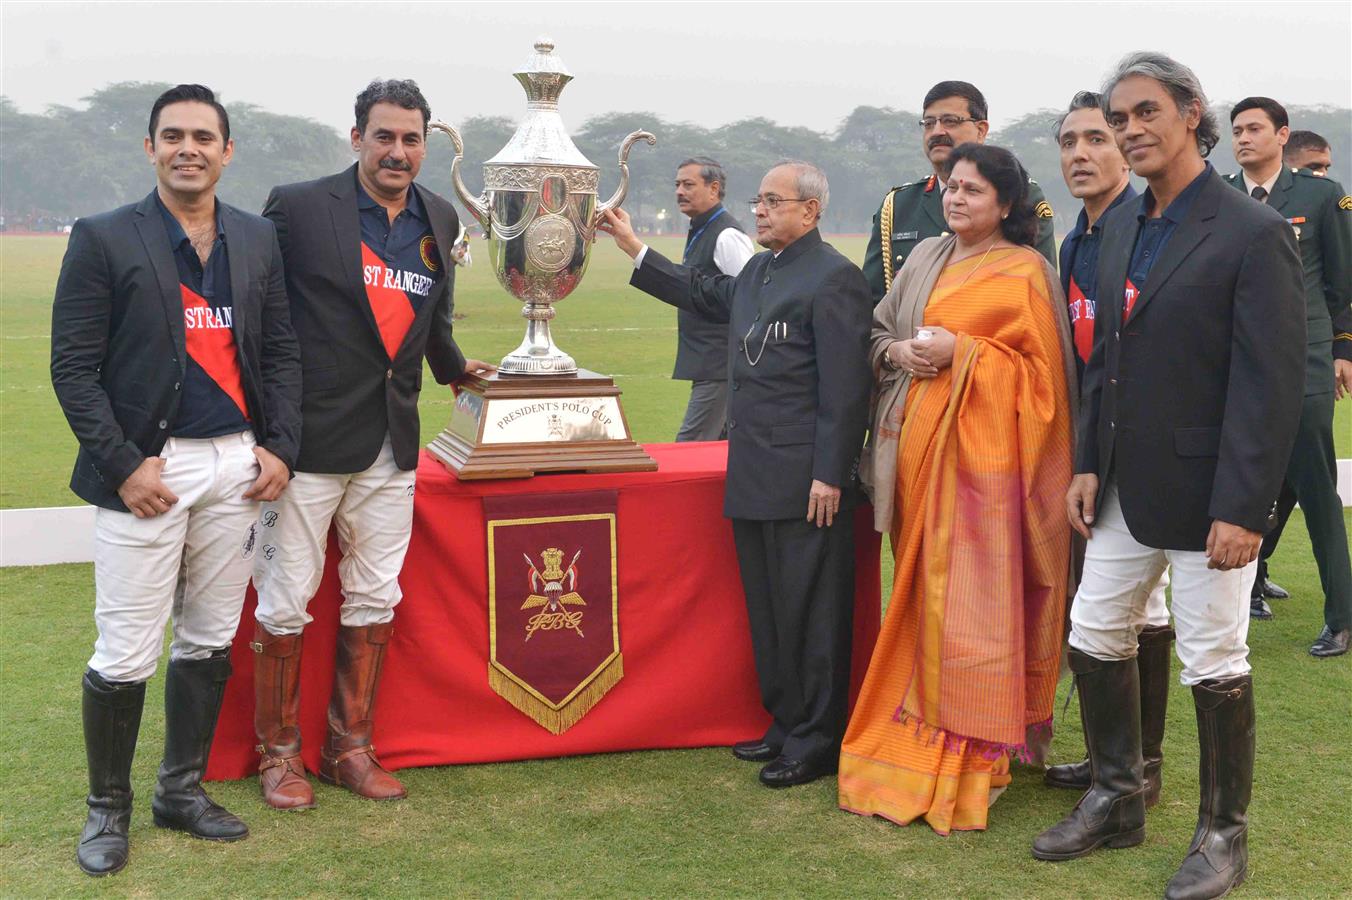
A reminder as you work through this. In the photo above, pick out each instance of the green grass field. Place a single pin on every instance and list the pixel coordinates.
(658, 823)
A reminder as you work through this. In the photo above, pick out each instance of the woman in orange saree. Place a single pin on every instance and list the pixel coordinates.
(975, 414)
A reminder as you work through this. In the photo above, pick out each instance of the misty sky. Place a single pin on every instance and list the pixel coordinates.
(796, 63)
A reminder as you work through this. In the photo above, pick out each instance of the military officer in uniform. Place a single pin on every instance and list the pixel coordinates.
(1320, 214)
(1308, 150)
(955, 113)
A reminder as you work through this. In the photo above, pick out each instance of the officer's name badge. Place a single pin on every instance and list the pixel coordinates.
(905, 235)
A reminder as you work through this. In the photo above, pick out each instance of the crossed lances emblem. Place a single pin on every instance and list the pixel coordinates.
(547, 594)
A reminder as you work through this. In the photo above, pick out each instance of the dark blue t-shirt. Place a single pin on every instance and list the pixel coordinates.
(213, 401)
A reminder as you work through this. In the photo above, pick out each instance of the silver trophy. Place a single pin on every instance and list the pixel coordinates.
(539, 210)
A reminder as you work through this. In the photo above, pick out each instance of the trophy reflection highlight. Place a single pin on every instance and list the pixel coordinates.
(539, 211)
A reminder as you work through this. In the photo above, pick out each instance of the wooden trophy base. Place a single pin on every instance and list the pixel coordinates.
(517, 426)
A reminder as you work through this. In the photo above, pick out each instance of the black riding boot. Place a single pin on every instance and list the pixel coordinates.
(193, 691)
(1112, 812)
(1153, 658)
(1218, 859)
(112, 718)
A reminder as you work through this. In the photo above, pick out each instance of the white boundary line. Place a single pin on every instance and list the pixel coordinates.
(65, 534)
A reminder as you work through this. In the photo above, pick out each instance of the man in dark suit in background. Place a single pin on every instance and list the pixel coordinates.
(174, 360)
(1191, 402)
(1311, 205)
(370, 280)
(716, 245)
(799, 318)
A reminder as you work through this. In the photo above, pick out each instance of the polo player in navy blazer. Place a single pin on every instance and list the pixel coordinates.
(174, 360)
(1190, 405)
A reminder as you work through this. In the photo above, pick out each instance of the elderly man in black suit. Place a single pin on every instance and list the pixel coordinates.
(1191, 400)
(799, 317)
(174, 360)
(370, 279)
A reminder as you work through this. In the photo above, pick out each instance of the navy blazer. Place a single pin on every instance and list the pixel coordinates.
(798, 375)
(1191, 404)
(119, 348)
(354, 392)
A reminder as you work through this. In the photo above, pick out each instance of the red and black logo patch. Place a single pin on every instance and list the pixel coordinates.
(431, 258)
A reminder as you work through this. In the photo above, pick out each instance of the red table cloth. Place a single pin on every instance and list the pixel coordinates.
(689, 678)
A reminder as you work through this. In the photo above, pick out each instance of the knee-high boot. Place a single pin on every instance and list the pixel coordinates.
(1112, 812)
(348, 758)
(193, 691)
(112, 719)
(1153, 661)
(1218, 859)
(281, 773)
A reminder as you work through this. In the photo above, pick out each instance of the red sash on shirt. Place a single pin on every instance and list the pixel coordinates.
(1081, 320)
(1130, 294)
(392, 308)
(211, 344)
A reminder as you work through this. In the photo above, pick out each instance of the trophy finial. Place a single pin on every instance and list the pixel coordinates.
(544, 44)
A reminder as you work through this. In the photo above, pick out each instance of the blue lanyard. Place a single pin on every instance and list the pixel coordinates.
(690, 241)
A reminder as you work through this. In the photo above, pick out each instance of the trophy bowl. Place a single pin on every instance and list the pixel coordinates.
(539, 210)
(539, 412)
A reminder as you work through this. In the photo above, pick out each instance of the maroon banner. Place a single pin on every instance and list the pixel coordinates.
(553, 603)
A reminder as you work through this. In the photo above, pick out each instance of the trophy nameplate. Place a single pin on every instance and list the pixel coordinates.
(539, 209)
(515, 426)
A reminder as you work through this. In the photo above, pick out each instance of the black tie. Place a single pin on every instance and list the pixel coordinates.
(1259, 193)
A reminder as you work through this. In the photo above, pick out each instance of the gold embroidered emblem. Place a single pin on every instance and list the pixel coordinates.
(1345, 203)
(1043, 210)
(547, 591)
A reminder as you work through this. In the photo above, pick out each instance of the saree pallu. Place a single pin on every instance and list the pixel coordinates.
(967, 661)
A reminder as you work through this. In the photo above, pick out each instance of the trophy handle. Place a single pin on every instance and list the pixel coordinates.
(477, 206)
(618, 197)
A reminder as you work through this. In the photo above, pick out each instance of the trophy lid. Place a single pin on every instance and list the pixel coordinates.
(541, 136)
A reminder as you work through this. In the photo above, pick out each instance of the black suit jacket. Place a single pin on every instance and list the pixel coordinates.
(1191, 405)
(800, 411)
(119, 348)
(354, 392)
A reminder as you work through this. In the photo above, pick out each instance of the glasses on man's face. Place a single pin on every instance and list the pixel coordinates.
(950, 122)
(772, 202)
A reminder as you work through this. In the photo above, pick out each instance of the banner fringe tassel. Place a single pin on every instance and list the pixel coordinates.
(557, 721)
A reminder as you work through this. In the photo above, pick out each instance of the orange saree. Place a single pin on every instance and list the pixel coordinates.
(968, 657)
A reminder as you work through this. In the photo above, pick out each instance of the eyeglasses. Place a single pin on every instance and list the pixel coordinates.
(772, 202)
(950, 121)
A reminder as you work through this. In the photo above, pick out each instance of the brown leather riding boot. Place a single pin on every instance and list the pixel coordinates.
(276, 720)
(348, 759)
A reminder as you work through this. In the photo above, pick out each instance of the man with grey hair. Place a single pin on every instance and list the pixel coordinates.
(715, 245)
(1189, 408)
(800, 317)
